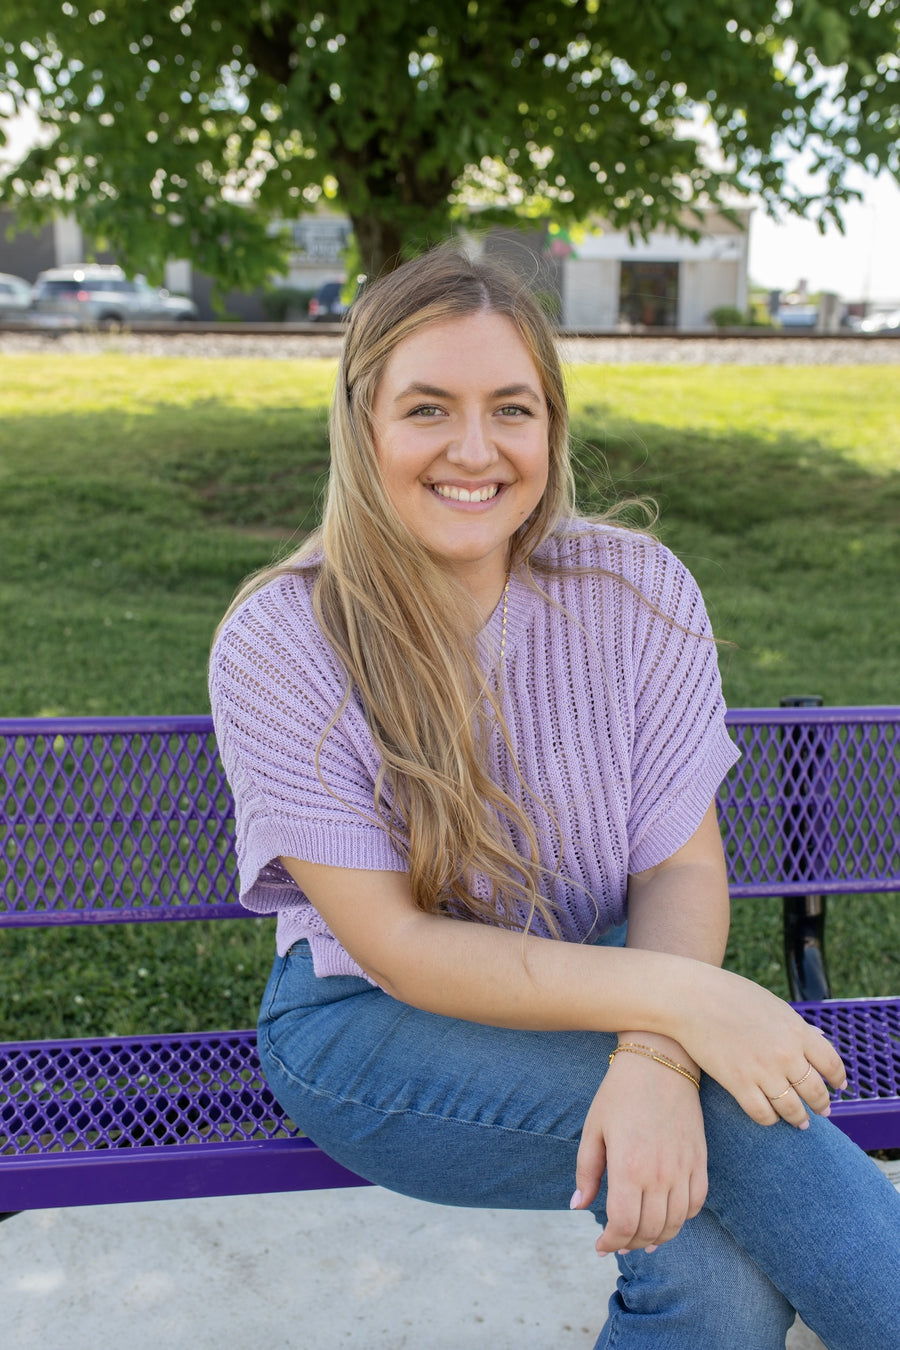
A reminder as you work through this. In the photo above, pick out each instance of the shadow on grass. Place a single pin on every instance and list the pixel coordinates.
(236, 466)
(160, 516)
(241, 467)
(125, 539)
(275, 479)
(729, 484)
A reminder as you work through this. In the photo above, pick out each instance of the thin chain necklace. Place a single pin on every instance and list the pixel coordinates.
(503, 625)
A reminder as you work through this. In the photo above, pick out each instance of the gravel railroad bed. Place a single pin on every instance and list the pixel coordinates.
(611, 349)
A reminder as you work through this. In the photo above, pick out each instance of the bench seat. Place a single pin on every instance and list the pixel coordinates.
(94, 1122)
(100, 1121)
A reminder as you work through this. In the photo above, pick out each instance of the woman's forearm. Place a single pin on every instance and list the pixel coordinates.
(485, 974)
(755, 1045)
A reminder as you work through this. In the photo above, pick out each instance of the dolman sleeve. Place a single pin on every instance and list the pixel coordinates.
(681, 748)
(302, 787)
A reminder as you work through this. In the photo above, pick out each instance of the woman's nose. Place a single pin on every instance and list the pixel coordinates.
(473, 447)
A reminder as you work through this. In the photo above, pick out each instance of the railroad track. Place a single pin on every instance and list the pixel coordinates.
(293, 341)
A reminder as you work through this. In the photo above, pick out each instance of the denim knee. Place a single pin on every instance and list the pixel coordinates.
(700, 1290)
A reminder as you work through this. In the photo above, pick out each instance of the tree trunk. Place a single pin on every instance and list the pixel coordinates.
(379, 243)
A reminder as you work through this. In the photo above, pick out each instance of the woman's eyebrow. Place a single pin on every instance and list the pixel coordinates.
(428, 390)
(417, 389)
(517, 391)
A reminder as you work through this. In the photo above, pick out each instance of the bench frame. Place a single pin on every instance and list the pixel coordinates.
(129, 819)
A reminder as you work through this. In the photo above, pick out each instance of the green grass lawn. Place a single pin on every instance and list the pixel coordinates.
(135, 493)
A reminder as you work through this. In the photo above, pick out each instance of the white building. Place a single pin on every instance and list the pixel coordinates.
(666, 281)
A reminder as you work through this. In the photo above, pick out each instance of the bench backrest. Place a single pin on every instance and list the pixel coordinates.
(124, 819)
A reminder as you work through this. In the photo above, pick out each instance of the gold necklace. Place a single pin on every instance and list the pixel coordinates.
(503, 624)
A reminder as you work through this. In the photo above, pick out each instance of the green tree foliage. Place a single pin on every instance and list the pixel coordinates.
(164, 120)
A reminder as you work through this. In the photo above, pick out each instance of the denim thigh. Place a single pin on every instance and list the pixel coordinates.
(434, 1107)
(465, 1114)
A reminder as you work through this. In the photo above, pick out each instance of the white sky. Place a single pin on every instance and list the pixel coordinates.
(861, 264)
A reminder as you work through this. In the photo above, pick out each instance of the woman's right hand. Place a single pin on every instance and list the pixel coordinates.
(758, 1048)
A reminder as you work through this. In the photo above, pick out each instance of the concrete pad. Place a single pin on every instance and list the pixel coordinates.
(314, 1271)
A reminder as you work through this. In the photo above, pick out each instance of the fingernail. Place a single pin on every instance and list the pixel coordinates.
(826, 1111)
(650, 1250)
(843, 1086)
(804, 1125)
(575, 1202)
(602, 1252)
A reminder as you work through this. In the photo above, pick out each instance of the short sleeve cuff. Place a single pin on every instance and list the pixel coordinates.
(270, 838)
(664, 833)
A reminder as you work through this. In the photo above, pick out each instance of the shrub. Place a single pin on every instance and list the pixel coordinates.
(286, 304)
(728, 316)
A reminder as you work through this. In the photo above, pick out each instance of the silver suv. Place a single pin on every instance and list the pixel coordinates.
(95, 296)
(15, 297)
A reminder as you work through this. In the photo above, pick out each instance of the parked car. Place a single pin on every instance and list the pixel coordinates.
(888, 321)
(89, 296)
(798, 316)
(15, 297)
(328, 304)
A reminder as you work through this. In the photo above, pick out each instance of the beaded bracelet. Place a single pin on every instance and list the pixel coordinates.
(634, 1048)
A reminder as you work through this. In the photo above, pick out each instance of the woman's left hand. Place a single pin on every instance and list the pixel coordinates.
(645, 1130)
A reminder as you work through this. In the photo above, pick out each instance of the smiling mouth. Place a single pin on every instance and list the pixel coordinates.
(457, 494)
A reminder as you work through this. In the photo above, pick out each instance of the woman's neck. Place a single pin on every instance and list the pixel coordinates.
(486, 588)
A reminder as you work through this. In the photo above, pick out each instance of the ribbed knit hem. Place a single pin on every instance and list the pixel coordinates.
(664, 834)
(271, 838)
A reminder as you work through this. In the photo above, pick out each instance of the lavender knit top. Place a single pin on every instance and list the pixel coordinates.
(615, 715)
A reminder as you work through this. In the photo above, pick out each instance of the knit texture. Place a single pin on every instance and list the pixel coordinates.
(612, 701)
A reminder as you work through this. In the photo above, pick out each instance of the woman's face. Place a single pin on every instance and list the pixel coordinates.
(461, 434)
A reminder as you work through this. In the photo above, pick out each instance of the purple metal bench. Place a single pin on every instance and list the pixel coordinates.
(124, 820)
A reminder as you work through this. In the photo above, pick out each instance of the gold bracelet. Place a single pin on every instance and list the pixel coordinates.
(635, 1048)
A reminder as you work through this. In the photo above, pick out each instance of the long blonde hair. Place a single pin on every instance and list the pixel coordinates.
(402, 624)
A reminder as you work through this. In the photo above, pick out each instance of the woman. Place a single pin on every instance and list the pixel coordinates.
(469, 736)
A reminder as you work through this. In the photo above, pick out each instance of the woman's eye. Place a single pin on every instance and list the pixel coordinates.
(426, 410)
(514, 410)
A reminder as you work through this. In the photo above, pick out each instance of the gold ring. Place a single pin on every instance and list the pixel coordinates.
(782, 1094)
(801, 1080)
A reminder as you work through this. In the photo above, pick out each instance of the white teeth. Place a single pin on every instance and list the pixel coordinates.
(456, 494)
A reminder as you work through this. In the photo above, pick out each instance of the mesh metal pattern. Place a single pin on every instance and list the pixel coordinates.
(139, 1093)
(812, 806)
(866, 1034)
(117, 819)
(114, 820)
(135, 1092)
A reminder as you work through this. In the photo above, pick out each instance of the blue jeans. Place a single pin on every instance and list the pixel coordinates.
(465, 1114)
